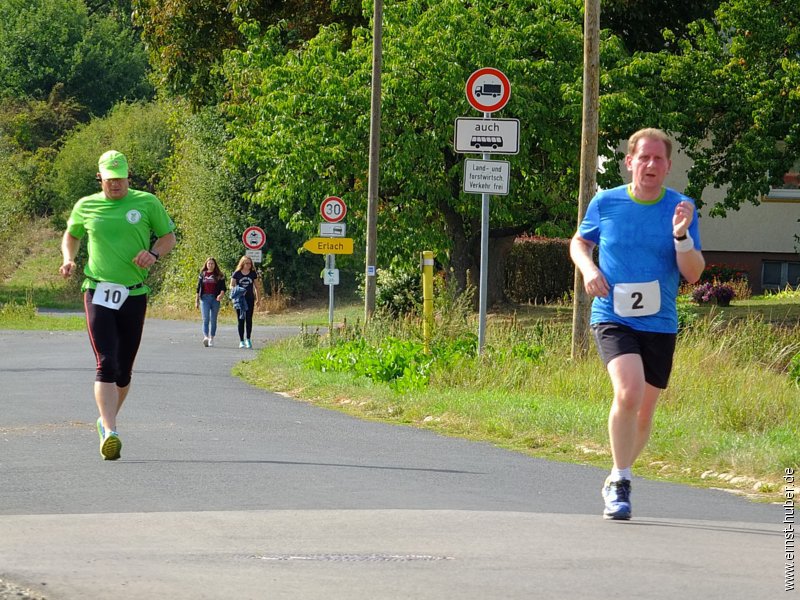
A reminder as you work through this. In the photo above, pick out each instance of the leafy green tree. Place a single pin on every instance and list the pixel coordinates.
(30, 131)
(300, 119)
(732, 96)
(641, 23)
(186, 39)
(46, 43)
(140, 131)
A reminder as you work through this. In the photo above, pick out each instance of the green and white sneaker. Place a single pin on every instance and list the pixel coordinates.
(101, 431)
(111, 446)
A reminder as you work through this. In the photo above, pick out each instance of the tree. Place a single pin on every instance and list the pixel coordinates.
(140, 131)
(186, 39)
(300, 120)
(732, 96)
(640, 23)
(47, 43)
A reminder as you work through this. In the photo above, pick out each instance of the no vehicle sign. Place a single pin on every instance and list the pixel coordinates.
(488, 90)
(333, 209)
(254, 238)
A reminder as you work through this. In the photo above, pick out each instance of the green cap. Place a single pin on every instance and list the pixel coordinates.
(113, 165)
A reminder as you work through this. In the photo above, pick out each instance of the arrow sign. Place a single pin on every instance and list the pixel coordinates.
(331, 277)
(320, 245)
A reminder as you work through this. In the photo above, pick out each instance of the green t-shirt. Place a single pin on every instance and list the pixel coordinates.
(118, 230)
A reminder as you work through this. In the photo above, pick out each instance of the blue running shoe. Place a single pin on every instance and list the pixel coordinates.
(101, 431)
(617, 496)
(111, 446)
(248, 343)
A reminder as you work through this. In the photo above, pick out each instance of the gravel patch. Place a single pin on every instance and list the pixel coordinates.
(10, 591)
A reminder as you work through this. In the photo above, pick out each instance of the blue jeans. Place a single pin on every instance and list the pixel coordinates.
(209, 308)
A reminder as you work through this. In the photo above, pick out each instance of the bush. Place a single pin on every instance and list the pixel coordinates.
(399, 292)
(539, 270)
(725, 273)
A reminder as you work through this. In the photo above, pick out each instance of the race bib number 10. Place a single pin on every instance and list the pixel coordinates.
(637, 299)
(110, 295)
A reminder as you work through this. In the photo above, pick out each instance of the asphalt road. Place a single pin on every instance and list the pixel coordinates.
(228, 491)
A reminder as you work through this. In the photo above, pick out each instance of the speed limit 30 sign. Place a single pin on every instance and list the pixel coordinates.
(333, 209)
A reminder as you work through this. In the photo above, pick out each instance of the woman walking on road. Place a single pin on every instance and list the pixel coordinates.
(246, 277)
(210, 291)
(118, 223)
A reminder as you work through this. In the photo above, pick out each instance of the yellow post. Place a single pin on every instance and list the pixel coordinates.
(427, 298)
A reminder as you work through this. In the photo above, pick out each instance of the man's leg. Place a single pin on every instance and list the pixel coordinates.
(644, 421)
(627, 379)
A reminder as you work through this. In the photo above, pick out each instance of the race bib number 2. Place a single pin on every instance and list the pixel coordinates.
(110, 295)
(637, 299)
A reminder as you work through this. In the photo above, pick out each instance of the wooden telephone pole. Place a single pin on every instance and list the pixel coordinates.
(588, 184)
(374, 162)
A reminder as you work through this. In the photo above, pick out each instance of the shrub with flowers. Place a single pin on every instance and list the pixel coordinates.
(720, 272)
(722, 294)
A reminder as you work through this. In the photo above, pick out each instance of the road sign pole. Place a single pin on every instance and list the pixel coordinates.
(484, 261)
(330, 264)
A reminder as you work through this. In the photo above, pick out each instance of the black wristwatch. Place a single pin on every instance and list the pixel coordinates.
(154, 253)
(680, 238)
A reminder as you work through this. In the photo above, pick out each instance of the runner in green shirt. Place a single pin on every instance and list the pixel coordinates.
(118, 223)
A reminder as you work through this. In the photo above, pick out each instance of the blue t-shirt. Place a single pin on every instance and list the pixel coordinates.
(637, 258)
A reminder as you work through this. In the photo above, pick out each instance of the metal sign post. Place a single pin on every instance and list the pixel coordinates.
(488, 90)
(482, 295)
(331, 242)
(330, 266)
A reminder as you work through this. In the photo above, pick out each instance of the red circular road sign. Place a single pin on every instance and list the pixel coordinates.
(254, 238)
(488, 90)
(333, 209)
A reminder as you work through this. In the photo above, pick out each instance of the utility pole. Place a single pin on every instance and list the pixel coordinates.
(374, 162)
(588, 184)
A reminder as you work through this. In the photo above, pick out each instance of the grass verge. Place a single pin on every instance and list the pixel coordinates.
(728, 420)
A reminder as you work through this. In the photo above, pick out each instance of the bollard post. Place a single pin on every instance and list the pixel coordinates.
(427, 298)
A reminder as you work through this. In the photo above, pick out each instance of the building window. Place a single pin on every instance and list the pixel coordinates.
(790, 190)
(777, 275)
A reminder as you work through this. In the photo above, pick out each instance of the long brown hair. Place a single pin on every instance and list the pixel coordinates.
(218, 275)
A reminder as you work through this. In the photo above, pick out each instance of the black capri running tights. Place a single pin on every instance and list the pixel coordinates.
(115, 336)
(245, 325)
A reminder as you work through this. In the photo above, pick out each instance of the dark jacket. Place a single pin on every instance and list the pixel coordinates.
(221, 285)
(239, 299)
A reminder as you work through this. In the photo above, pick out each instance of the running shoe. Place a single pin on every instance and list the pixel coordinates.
(210, 342)
(249, 343)
(111, 446)
(617, 496)
(242, 345)
(205, 342)
(101, 431)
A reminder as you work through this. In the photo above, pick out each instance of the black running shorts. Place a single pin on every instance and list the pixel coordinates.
(656, 349)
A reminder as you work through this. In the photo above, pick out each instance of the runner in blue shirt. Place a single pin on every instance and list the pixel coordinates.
(648, 238)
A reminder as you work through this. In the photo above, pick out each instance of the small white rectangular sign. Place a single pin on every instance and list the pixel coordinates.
(332, 229)
(495, 136)
(331, 276)
(254, 255)
(486, 177)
